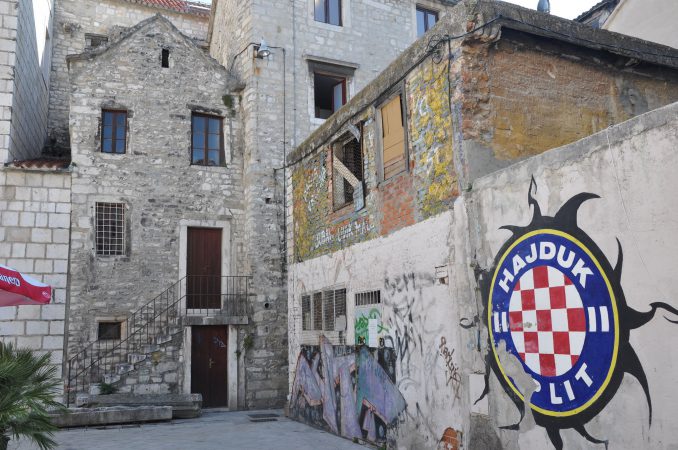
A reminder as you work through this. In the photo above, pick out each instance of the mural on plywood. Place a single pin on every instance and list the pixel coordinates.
(349, 390)
(556, 305)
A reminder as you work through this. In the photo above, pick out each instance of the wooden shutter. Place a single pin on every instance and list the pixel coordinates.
(393, 138)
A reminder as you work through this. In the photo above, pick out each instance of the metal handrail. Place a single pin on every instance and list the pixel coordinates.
(201, 295)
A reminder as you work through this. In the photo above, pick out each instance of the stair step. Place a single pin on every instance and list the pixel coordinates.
(150, 348)
(123, 368)
(110, 378)
(163, 338)
(134, 358)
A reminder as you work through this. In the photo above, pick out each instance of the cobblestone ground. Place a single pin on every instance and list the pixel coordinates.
(214, 430)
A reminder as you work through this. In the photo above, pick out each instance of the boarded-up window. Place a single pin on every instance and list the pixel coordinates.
(393, 138)
(347, 170)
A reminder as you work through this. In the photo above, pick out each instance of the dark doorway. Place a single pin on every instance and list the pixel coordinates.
(203, 268)
(209, 365)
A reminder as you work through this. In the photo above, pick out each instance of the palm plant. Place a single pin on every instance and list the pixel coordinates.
(27, 389)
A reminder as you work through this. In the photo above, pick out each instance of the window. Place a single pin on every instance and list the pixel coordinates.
(328, 11)
(368, 298)
(207, 148)
(164, 58)
(110, 229)
(393, 138)
(109, 331)
(425, 20)
(347, 170)
(93, 41)
(324, 311)
(329, 93)
(114, 132)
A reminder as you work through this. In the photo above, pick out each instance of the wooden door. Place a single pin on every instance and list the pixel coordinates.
(209, 364)
(203, 268)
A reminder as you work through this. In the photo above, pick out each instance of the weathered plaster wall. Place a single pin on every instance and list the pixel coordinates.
(634, 18)
(630, 166)
(34, 233)
(557, 86)
(162, 191)
(75, 18)
(427, 187)
(421, 338)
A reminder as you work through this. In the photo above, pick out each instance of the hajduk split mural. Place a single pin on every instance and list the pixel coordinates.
(556, 304)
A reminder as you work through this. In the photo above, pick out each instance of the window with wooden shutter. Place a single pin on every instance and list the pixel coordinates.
(393, 138)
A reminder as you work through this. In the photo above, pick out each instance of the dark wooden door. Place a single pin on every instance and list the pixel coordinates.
(203, 268)
(209, 365)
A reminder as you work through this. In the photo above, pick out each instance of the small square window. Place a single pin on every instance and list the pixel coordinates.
(113, 131)
(109, 331)
(110, 229)
(426, 18)
(328, 11)
(93, 41)
(324, 311)
(347, 170)
(207, 140)
(329, 94)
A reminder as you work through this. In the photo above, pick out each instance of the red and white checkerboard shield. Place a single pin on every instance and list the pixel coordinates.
(547, 321)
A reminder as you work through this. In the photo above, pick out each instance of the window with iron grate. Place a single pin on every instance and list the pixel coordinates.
(306, 317)
(110, 229)
(318, 311)
(368, 298)
(347, 170)
(324, 311)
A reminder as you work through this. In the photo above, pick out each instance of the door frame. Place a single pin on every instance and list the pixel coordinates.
(226, 254)
(233, 360)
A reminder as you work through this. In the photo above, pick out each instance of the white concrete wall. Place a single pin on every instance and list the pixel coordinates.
(632, 168)
(653, 21)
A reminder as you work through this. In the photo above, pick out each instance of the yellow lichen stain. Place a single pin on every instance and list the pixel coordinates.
(443, 186)
(533, 129)
(430, 128)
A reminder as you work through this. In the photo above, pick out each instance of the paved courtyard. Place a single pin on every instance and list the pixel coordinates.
(214, 430)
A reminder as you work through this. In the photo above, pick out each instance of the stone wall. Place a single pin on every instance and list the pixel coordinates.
(162, 192)
(25, 46)
(34, 233)
(74, 19)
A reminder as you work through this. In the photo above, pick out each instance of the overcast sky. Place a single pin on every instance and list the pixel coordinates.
(563, 8)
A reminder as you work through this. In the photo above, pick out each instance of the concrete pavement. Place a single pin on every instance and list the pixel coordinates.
(214, 430)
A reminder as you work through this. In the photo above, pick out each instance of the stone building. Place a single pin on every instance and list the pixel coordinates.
(120, 107)
(395, 210)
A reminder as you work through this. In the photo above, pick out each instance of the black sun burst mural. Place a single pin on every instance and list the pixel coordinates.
(557, 304)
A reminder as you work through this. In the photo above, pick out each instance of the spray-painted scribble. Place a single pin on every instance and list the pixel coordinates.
(349, 390)
(451, 368)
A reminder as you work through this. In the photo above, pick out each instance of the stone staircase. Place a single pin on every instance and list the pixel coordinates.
(148, 358)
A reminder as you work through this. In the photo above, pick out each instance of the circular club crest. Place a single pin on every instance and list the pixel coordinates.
(555, 309)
